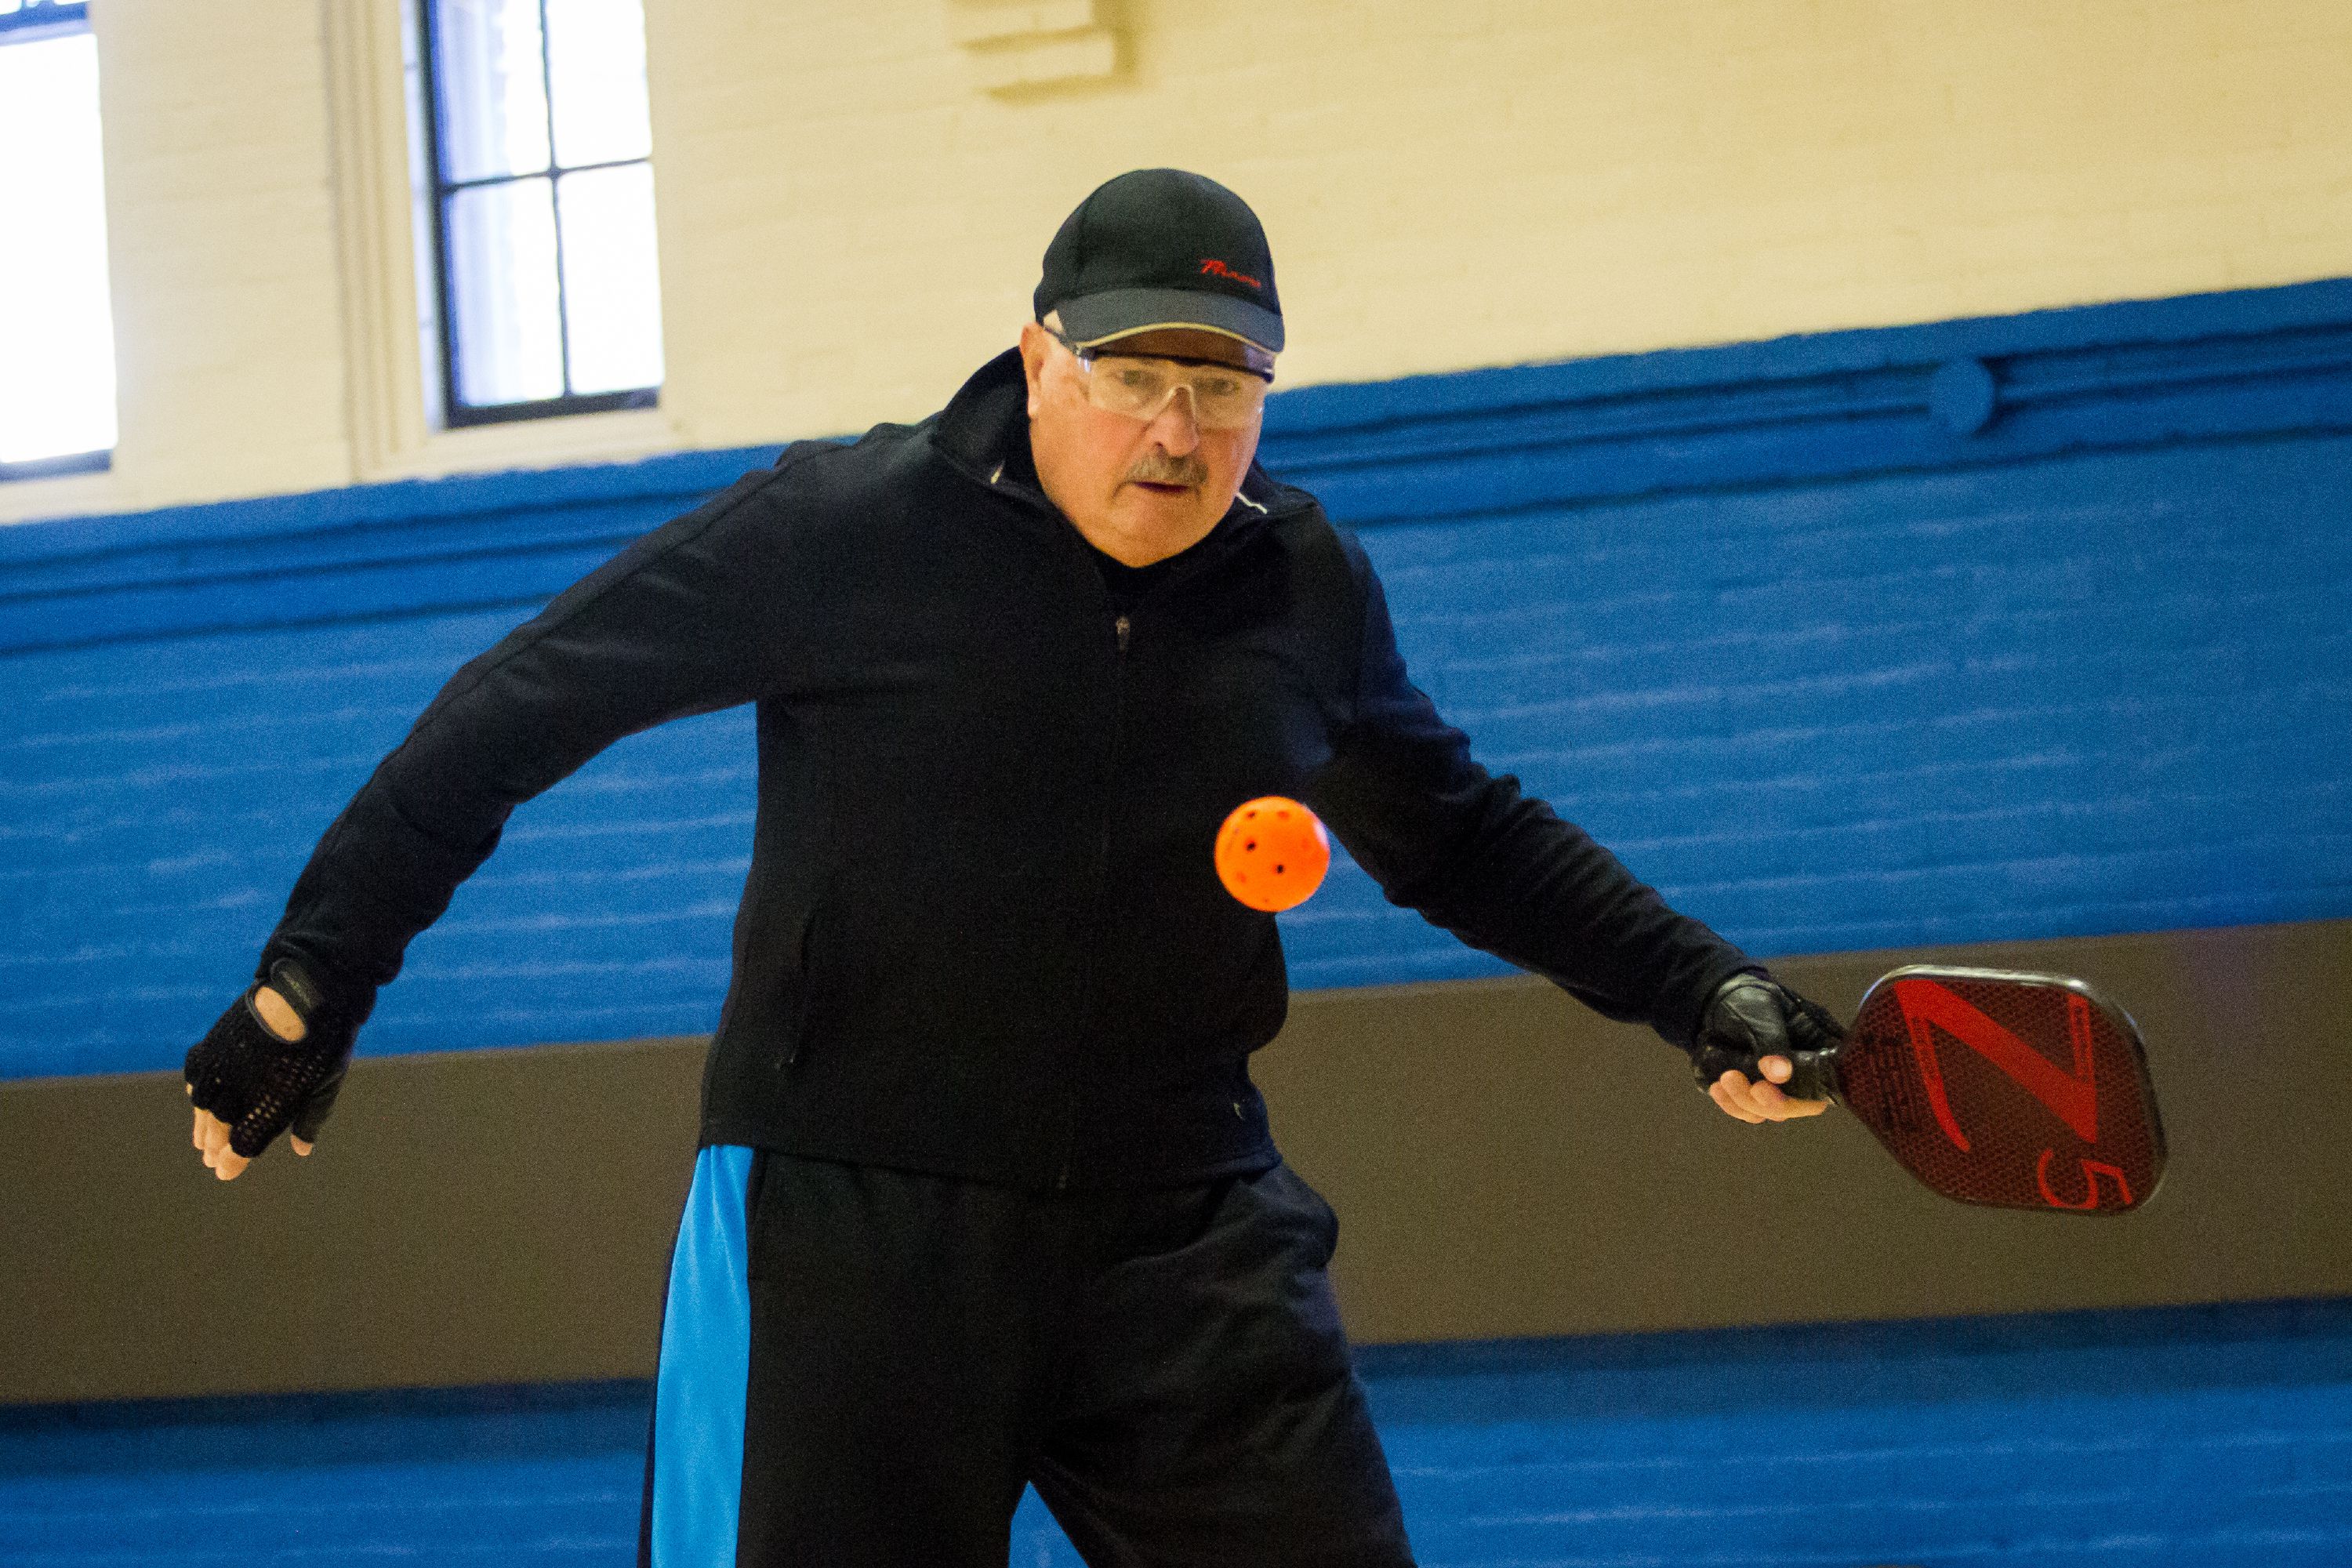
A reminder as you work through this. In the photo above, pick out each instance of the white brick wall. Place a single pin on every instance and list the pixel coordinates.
(220, 212)
(848, 224)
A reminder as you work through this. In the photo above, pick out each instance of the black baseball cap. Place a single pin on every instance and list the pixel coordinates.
(1161, 248)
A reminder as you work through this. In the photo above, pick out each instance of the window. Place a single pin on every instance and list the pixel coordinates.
(56, 331)
(542, 206)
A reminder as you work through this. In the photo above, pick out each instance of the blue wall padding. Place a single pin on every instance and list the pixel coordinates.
(2205, 1437)
(2023, 628)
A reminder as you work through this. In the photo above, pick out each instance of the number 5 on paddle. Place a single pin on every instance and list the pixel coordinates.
(2014, 1091)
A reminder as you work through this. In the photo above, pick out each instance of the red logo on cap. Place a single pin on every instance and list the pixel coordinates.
(1217, 268)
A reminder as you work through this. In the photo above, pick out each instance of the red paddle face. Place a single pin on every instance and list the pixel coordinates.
(2015, 1091)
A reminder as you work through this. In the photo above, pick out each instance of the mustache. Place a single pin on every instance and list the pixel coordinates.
(1162, 469)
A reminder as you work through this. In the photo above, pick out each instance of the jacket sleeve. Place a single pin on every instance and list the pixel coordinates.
(1497, 868)
(688, 619)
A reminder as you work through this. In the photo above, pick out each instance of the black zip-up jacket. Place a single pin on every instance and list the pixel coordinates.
(982, 934)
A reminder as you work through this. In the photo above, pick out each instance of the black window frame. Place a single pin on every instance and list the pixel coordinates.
(455, 413)
(36, 20)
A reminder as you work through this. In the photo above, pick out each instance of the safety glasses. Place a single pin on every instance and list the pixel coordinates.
(1225, 397)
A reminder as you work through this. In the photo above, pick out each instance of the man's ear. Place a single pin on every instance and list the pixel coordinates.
(1034, 345)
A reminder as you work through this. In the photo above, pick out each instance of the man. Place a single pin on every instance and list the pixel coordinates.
(985, 1195)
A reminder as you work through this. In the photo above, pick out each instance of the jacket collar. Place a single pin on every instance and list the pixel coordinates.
(983, 432)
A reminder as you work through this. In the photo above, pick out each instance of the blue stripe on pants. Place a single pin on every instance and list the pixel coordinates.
(705, 1347)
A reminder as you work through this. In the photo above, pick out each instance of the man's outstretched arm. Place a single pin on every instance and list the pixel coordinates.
(688, 619)
(1500, 870)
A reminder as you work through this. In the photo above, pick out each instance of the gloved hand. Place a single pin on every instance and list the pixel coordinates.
(272, 1064)
(1753, 1029)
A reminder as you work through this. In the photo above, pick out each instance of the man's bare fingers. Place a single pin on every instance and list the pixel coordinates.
(1730, 1092)
(219, 1158)
(1775, 1106)
(1777, 1103)
(299, 1146)
(1738, 1093)
(223, 1160)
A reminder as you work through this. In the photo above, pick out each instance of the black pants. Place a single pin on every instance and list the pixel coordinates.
(867, 1368)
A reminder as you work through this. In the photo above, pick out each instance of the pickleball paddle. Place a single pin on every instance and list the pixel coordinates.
(2013, 1091)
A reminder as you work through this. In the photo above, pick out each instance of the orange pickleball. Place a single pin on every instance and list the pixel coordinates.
(1272, 853)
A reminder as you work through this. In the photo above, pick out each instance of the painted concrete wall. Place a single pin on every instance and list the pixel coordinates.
(848, 223)
(1839, 660)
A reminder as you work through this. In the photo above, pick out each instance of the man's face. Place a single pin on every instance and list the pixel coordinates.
(1139, 490)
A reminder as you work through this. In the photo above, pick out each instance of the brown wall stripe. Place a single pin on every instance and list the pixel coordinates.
(1505, 1163)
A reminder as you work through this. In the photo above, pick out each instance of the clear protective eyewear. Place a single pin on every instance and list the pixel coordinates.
(1224, 397)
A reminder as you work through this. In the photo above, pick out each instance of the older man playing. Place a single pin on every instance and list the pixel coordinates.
(985, 1195)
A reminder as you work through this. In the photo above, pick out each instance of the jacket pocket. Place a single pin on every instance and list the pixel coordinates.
(792, 1005)
(767, 1000)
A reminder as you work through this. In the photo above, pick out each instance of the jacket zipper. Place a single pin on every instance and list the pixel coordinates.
(1122, 630)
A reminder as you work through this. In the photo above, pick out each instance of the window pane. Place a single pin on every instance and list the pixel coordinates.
(596, 59)
(56, 337)
(611, 286)
(506, 324)
(487, 68)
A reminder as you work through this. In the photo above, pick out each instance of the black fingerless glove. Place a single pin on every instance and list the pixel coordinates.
(261, 1085)
(1751, 1016)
